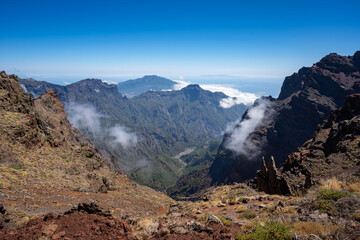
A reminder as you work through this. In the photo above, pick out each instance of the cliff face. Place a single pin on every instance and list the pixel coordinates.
(306, 99)
(334, 150)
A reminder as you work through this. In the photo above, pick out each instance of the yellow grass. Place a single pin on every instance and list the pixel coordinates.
(306, 228)
(332, 183)
(353, 187)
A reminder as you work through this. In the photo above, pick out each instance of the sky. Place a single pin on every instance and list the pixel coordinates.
(244, 43)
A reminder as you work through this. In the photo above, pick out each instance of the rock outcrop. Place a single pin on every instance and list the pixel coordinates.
(269, 179)
(306, 99)
(334, 150)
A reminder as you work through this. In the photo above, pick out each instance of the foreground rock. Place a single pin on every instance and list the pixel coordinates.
(81, 224)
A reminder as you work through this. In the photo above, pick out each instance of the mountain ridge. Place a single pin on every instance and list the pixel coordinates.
(306, 99)
(165, 122)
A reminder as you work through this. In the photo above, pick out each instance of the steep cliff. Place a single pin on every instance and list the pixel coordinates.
(306, 99)
(334, 150)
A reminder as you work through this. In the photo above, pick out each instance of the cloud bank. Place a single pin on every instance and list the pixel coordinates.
(238, 141)
(234, 96)
(85, 116)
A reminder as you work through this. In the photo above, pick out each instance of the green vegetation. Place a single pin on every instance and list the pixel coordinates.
(331, 194)
(159, 173)
(196, 164)
(201, 157)
(325, 199)
(63, 156)
(325, 206)
(18, 167)
(225, 221)
(248, 214)
(268, 231)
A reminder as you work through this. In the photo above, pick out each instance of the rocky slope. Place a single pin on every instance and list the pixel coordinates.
(166, 123)
(334, 150)
(46, 165)
(306, 99)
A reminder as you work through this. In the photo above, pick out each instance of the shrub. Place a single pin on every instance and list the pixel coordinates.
(269, 231)
(324, 206)
(63, 156)
(289, 210)
(330, 194)
(225, 221)
(18, 167)
(248, 215)
(357, 216)
(241, 209)
(232, 201)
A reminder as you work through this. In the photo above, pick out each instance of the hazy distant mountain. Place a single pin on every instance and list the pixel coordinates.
(147, 83)
(162, 123)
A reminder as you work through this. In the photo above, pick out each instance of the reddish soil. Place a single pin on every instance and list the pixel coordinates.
(70, 226)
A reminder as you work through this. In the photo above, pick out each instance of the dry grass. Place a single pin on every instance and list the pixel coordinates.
(336, 184)
(353, 187)
(332, 183)
(241, 209)
(289, 210)
(306, 228)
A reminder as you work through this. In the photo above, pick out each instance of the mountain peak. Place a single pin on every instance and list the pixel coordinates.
(147, 83)
(193, 86)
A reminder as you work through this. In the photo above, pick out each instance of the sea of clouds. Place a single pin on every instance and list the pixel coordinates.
(234, 96)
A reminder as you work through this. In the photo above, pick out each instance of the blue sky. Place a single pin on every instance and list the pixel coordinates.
(230, 41)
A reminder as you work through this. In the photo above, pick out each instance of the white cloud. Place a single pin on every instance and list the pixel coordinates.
(122, 136)
(180, 84)
(109, 82)
(27, 92)
(234, 96)
(85, 116)
(238, 140)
